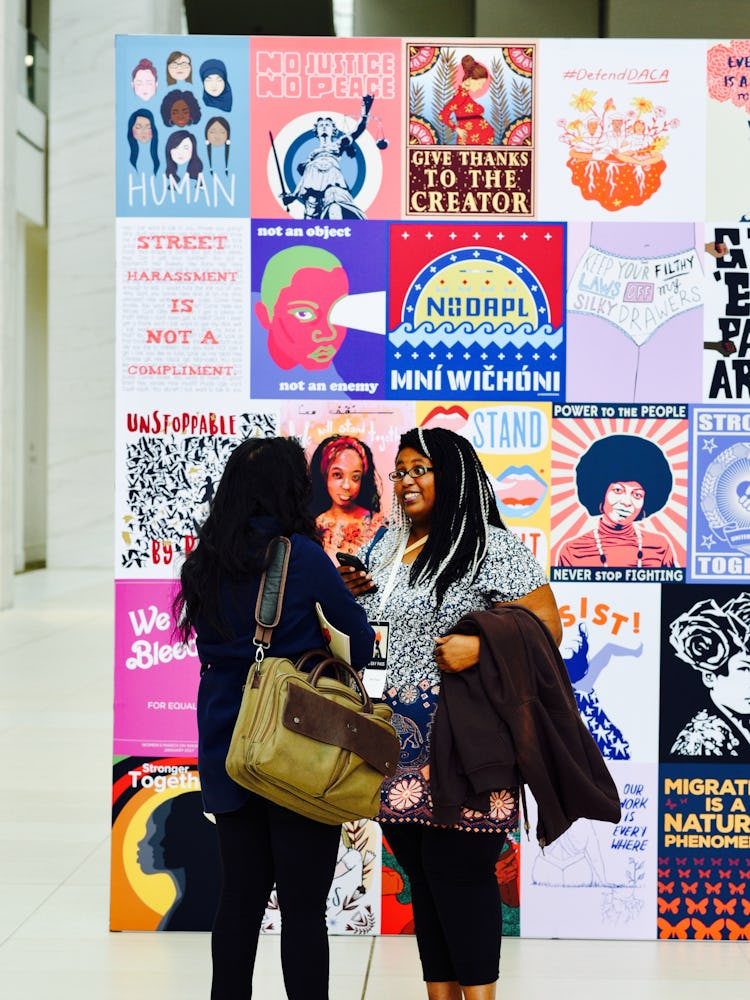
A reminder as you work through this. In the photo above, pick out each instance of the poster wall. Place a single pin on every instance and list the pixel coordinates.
(530, 242)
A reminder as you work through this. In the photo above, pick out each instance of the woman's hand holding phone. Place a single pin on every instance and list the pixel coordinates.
(354, 574)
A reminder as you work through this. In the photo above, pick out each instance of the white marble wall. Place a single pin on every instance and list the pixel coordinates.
(8, 285)
(81, 320)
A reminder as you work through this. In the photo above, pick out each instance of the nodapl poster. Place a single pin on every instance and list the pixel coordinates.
(704, 853)
(182, 320)
(325, 121)
(513, 442)
(635, 311)
(476, 311)
(470, 148)
(727, 326)
(318, 310)
(170, 463)
(622, 133)
(596, 880)
(182, 126)
(719, 494)
(728, 109)
(619, 512)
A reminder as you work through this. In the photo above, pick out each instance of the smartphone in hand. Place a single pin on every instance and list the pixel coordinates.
(345, 559)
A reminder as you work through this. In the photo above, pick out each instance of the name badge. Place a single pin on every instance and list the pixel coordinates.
(374, 679)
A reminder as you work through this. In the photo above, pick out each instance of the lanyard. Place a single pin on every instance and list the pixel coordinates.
(402, 550)
(388, 589)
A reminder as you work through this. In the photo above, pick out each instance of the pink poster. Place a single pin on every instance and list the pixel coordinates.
(325, 116)
(156, 677)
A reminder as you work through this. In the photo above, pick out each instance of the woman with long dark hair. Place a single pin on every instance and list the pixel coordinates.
(181, 150)
(346, 497)
(447, 554)
(264, 492)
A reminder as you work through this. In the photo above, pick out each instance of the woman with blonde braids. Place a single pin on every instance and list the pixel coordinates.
(447, 555)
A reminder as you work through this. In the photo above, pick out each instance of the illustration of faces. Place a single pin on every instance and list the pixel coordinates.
(180, 108)
(179, 67)
(216, 90)
(730, 690)
(182, 152)
(299, 288)
(143, 80)
(217, 132)
(180, 149)
(623, 502)
(142, 130)
(214, 84)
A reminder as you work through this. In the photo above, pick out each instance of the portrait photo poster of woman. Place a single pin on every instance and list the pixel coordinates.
(366, 429)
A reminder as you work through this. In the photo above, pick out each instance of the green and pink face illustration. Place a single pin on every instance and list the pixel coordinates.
(299, 328)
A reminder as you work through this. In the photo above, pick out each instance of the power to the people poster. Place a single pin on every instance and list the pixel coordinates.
(534, 243)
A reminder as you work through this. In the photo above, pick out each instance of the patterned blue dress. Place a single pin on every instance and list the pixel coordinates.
(509, 571)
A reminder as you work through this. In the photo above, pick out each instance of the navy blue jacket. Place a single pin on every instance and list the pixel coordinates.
(225, 664)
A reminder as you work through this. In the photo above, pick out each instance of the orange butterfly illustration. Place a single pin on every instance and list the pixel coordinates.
(716, 887)
(737, 931)
(727, 907)
(704, 872)
(690, 887)
(703, 931)
(744, 873)
(746, 906)
(694, 906)
(667, 930)
(684, 872)
(667, 887)
(725, 873)
(672, 906)
(737, 890)
(664, 872)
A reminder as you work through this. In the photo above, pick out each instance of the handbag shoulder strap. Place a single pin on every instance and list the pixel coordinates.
(271, 590)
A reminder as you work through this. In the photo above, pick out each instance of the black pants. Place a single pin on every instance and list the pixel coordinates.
(456, 899)
(260, 844)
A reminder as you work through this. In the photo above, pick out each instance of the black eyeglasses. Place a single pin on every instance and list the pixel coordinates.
(416, 472)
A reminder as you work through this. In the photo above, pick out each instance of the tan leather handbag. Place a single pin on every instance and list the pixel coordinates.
(312, 743)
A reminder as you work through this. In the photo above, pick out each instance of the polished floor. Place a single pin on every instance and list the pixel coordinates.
(55, 743)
